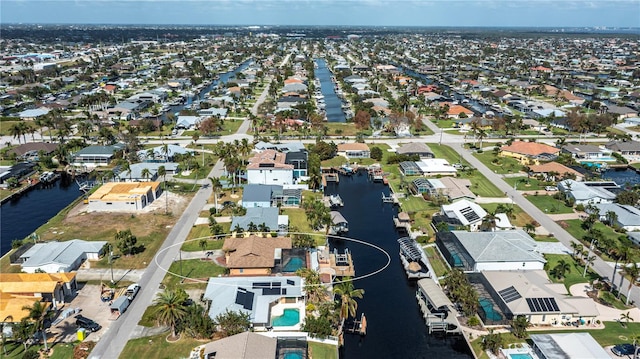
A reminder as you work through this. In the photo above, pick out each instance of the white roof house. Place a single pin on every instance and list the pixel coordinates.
(588, 192)
(253, 295)
(435, 166)
(627, 217)
(499, 250)
(188, 121)
(466, 212)
(54, 257)
(567, 345)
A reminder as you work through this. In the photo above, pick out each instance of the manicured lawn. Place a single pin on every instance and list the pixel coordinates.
(192, 268)
(480, 185)
(344, 129)
(524, 184)
(444, 123)
(231, 126)
(191, 244)
(521, 217)
(297, 220)
(574, 275)
(574, 226)
(322, 351)
(437, 262)
(503, 164)
(446, 152)
(416, 204)
(158, 348)
(549, 204)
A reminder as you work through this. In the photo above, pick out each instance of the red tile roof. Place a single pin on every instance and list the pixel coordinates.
(530, 148)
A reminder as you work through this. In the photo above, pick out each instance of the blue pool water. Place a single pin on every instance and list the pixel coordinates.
(293, 355)
(293, 264)
(288, 318)
(520, 356)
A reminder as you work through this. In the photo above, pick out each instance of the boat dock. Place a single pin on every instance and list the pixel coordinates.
(390, 199)
(342, 263)
(330, 177)
(403, 221)
(358, 326)
(439, 313)
(333, 201)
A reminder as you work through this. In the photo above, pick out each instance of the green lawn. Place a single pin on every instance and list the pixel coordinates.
(322, 351)
(444, 123)
(574, 227)
(574, 275)
(437, 262)
(549, 204)
(158, 348)
(524, 184)
(192, 268)
(503, 164)
(297, 219)
(416, 204)
(446, 152)
(344, 129)
(191, 244)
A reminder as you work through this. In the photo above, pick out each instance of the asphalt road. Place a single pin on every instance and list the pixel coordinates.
(113, 341)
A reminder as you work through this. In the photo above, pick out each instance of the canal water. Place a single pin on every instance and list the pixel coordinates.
(333, 103)
(20, 217)
(395, 328)
(622, 177)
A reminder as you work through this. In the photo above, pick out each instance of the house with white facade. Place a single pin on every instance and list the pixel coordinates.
(54, 257)
(586, 193)
(464, 213)
(269, 167)
(124, 196)
(625, 216)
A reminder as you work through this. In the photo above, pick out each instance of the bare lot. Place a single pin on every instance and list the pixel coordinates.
(88, 300)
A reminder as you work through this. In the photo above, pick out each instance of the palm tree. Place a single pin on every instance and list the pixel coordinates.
(612, 217)
(631, 270)
(216, 186)
(15, 131)
(162, 171)
(169, 308)
(347, 294)
(145, 173)
(520, 325)
(38, 312)
(489, 222)
(561, 269)
(626, 317)
(529, 228)
(5, 322)
(22, 331)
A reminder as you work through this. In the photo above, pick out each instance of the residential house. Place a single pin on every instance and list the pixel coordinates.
(299, 161)
(94, 156)
(31, 151)
(246, 345)
(54, 257)
(354, 150)
(163, 153)
(457, 111)
(259, 195)
(32, 114)
(464, 213)
(577, 345)
(262, 298)
(415, 148)
(188, 122)
(48, 287)
(629, 149)
(588, 152)
(547, 112)
(554, 171)
(586, 193)
(452, 188)
(136, 171)
(532, 294)
(259, 216)
(289, 102)
(253, 255)
(490, 251)
(624, 216)
(280, 147)
(529, 152)
(119, 196)
(18, 171)
(435, 166)
(269, 167)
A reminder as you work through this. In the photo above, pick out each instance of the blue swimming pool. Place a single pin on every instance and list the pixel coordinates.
(294, 355)
(520, 356)
(293, 264)
(289, 318)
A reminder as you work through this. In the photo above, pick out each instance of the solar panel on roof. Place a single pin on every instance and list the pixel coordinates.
(537, 305)
(244, 298)
(469, 214)
(260, 285)
(509, 294)
(290, 282)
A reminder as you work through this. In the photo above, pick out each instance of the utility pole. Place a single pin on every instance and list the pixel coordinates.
(586, 262)
(111, 261)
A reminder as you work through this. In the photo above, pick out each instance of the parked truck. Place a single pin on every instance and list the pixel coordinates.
(119, 306)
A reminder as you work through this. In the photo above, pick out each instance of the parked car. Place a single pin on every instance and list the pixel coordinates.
(623, 349)
(551, 188)
(86, 323)
(132, 291)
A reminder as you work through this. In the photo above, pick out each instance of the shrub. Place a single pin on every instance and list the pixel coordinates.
(473, 321)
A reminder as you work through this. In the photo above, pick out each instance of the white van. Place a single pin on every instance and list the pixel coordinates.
(132, 291)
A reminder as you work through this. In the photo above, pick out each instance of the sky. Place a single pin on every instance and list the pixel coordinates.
(486, 13)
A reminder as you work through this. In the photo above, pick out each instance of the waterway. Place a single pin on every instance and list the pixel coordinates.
(333, 108)
(395, 328)
(20, 217)
(622, 177)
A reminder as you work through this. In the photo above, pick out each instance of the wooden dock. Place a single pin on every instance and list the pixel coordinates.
(390, 199)
(358, 326)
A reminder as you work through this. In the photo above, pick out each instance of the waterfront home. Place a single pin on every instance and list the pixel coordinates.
(331, 264)
(31, 151)
(289, 102)
(246, 345)
(56, 257)
(547, 112)
(188, 122)
(435, 166)
(530, 293)
(94, 156)
(620, 111)
(464, 213)
(452, 188)
(280, 147)
(354, 150)
(588, 152)
(554, 171)
(529, 153)
(162, 154)
(588, 192)
(135, 172)
(269, 167)
(253, 255)
(486, 251)
(119, 196)
(299, 161)
(47, 287)
(263, 298)
(628, 149)
(17, 171)
(415, 148)
(261, 216)
(32, 114)
(259, 195)
(577, 345)
(622, 215)
(457, 111)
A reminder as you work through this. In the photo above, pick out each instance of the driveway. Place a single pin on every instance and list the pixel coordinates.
(89, 304)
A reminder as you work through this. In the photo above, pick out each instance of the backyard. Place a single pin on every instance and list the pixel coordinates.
(549, 205)
(498, 164)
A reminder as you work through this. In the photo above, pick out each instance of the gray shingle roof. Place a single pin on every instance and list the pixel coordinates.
(500, 246)
(64, 253)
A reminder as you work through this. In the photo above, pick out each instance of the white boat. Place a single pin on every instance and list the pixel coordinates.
(47, 177)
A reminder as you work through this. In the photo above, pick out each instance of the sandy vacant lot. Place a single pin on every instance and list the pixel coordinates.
(90, 305)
